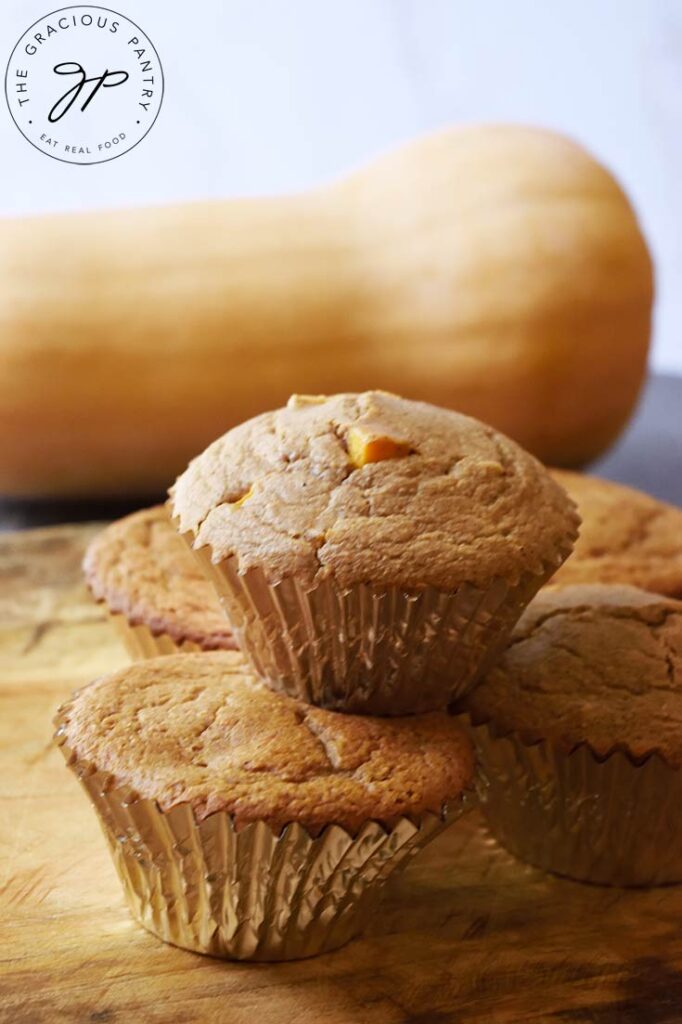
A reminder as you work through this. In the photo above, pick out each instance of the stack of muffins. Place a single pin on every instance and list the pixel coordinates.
(373, 556)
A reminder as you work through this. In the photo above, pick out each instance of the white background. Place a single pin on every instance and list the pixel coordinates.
(267, 96)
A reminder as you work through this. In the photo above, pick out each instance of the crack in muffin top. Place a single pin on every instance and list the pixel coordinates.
(626, 536)
(372, 488)
(593, 663)
(142, 569)
(199, 729)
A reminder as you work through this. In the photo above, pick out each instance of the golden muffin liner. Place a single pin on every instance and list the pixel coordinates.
(247, 894)
(366, 649)
(611, 820)
(141, 643)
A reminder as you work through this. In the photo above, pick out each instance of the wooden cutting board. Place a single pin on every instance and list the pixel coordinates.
(466, 935)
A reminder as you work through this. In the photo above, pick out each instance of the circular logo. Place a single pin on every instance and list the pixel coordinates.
(84, 84)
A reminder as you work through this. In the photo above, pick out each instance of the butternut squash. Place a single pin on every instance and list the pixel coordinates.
(498, 270)
(365, 447)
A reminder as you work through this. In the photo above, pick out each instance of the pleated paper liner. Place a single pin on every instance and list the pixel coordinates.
(611, 820)
(247, 894)
(366, 649)
(141, 643)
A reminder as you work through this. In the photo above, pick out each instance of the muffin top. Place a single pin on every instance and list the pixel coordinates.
(626, 536)
(372, 488)
(144, 570)
(198, 729)
(592, 663)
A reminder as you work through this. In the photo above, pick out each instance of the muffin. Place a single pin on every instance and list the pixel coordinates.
(244, 823)
(626, 536)
(372, 553)
(579, 733)
(157, 597)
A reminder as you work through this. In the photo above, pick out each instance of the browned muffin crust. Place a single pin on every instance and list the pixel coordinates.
(197, 729)
(143, 570)
(626, 536)
(455, 502)
(594, 663)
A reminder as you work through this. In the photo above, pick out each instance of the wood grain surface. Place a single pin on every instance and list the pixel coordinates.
(467, 935)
